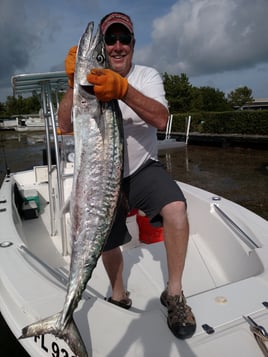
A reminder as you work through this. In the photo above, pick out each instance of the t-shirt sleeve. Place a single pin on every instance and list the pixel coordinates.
(149, 82)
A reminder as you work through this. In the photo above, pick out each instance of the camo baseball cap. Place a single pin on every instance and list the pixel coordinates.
(116, 18)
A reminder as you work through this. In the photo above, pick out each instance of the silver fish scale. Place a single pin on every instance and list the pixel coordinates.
(94, 198)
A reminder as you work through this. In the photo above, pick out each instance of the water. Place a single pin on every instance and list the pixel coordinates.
(20, 151)
(238, 174)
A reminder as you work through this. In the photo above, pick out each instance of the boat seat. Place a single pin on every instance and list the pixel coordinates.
(27, 202)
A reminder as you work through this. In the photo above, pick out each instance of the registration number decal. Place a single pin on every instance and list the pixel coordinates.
(52, 348)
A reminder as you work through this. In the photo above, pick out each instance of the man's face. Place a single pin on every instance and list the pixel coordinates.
(119, 53)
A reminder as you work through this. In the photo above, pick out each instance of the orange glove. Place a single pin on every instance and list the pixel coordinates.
(108, 84)
(70, 61)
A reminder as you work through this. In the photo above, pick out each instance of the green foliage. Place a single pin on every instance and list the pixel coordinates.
(240, 96)
(212, 100)
(178, 92)
(254, 122)
(19, 105)
(2, 108)
(182, 96)
(210, 110)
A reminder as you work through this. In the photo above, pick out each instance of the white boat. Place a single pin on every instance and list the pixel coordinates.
(8, 123)
(225, 278)
(31, 123)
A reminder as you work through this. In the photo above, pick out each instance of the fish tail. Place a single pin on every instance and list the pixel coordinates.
(69, 333)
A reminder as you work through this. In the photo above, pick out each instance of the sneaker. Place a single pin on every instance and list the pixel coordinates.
(181, 320)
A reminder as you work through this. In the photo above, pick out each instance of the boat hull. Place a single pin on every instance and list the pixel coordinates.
(225, 278)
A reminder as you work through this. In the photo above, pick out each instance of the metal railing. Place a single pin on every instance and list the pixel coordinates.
(48, 84)
(50, 122)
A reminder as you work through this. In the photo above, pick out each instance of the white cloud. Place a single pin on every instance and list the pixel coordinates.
(212, 41)
(24, 26)
(208, 36)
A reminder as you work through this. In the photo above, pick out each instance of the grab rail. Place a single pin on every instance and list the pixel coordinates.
(243, 235)
(55, 273)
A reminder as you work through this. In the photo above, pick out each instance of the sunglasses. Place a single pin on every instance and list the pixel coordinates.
(124, 38)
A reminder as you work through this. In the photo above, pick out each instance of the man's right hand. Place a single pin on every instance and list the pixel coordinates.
(70, 65)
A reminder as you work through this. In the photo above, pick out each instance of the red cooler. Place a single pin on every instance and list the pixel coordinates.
(147, 233)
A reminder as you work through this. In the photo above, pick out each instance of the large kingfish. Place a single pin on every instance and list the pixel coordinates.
(96, 188)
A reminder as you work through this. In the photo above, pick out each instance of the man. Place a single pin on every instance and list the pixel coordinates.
(146, 184)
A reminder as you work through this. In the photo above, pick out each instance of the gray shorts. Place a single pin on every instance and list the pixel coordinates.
(149, 189)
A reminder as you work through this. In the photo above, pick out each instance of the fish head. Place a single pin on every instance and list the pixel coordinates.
(90, 54)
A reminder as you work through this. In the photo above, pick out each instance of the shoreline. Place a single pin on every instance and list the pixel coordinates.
(222, 140)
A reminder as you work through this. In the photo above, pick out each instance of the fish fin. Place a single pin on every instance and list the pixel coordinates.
(41, 327)
(70, 333)
(72, 337)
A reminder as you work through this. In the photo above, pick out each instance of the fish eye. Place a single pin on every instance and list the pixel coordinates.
(100, 58)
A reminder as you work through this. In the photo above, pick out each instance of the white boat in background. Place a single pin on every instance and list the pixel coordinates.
(31, 123)
(225, 279)
(8, 123)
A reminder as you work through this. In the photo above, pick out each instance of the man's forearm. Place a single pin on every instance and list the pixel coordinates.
(65, 112)
(148, 109)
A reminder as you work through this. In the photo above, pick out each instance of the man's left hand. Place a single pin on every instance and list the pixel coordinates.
(107, 84)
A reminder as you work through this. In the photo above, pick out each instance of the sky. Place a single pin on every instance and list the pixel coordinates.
(216, 43)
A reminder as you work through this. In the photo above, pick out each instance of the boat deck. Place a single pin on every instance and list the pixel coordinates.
(225, 278)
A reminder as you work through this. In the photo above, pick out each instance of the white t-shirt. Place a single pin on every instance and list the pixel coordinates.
(140, 138)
